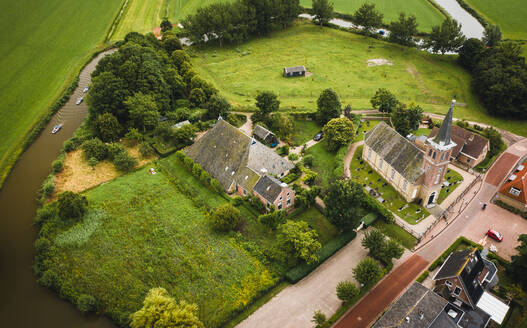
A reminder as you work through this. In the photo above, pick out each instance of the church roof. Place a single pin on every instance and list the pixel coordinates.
(396, 150)
(443, 138)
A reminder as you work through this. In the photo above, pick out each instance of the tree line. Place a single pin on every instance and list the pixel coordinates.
(237, 21)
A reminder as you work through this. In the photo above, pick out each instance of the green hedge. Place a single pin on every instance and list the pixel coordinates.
(461, 240)
(300, 271)
(423, 276)
(511, 208)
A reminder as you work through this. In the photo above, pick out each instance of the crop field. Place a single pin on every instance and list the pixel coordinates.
(509, 15)
(153, 235)
(339, 60)
(43, 45)
(144, 16)
(426, 14)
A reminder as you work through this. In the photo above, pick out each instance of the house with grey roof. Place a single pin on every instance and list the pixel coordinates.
(264, 135)
(239, 162)
(273, 192)
(416, 173)
(295, 71)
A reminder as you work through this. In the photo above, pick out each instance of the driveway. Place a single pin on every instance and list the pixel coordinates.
(294, 306)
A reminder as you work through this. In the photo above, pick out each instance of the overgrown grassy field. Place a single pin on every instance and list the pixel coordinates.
(338, 60)
(144, 16)
(43, 45)
(303, 131)
(323, 163)
(509, 15)
(426, 14)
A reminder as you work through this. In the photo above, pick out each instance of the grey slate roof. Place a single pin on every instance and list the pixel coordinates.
(261, 132)
(230, 156)
(180, 124)
(443, 137)
(295, 69)
(453, 264)
(419, 304)
(268, 187)
(400, 153)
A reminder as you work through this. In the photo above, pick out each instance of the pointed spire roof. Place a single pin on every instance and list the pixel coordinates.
(443, 137)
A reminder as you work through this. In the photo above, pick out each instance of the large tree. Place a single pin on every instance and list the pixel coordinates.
(406, 119)
(343, 201)
(447, 37)
(226, 218)
(491, 35)
(470, 53)
(107, 127)
(519, 262)
(328, 106)
(72, 205)
(161, 310)
(367, 272)
(217, 106)
(323, 11)
(266, 103)
(144, 113)
(338, 132)
(403, 30)
(298, 241)
(384, 100)
(368, 17)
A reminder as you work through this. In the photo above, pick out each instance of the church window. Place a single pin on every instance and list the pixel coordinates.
(437, 178)
(434, 155)
(442, 156)
(405, 184)
(369, 153)
(430, 152)
(380, 163)
(393, 174)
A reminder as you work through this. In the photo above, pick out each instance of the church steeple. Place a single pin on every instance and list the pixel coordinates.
(443, 136)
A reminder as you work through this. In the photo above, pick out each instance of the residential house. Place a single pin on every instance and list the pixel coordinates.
(470, 149)
(240, 163)
(416, 174)
(294, 71)
(513, 191)
(265, 136)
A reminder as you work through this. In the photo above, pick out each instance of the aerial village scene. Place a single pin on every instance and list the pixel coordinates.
(263, 164)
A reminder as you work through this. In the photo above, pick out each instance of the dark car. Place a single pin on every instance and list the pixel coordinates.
(318, 136)
(494, 235)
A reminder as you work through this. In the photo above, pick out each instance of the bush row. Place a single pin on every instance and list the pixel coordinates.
(511, 208)
(423, 276)
(300, 271)
(199, 172)
(373, 205)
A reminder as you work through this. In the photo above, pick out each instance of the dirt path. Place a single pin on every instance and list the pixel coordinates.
(248, 126)
(382, 295)
(349, 156)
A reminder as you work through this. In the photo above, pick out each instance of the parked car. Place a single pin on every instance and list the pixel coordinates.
(318, 136)
(494, 235)
(79, 100)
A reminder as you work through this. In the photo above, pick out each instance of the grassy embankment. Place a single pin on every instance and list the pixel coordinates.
(44, 44)
(426, 14)
(338, 60)
(156, 234)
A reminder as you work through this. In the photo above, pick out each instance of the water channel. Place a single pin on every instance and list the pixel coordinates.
(24, 303)
(470, 26)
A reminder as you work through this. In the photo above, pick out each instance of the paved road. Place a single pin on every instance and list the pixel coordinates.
(382, 295)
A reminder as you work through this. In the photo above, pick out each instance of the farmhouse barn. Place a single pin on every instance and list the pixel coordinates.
(294, 71)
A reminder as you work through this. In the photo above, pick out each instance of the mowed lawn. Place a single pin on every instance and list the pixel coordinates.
(43, 44)
(144, 16)
(153, 235)
(426, 14)
(338, 60)
(508, 14)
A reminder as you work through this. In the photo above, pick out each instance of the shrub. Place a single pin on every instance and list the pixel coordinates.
(290, 178)
(310, 177)
(71, 205)
(205, 177)
(50, 279)
(293, 157)
(256, 203)
(367, 272)
(46, 213)
(196, 170)
(423, 276)
(124, 162)
(180, 156)
(283, 150)
(308, 160)
(273, 220)
(215, 184)
(48, 187)
(86, 303)
(319, 319)
(347, 291)
(94, 148)
(68, 292)
(58, 165)
(133, 136)
(237, 201)
(188, 162)
(93, 162)
(146, 150)
(225, 218)
(69, 145)
(42, 245)
(115, 149)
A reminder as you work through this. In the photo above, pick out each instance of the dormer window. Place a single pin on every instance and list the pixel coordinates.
(448, 283)
(515, 192)
(457, 291)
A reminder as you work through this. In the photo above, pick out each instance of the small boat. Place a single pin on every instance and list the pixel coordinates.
(85, 89)
(56, 128)
(79, 100)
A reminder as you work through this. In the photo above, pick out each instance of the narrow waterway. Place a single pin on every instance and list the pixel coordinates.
(470, 26)
(24, 303)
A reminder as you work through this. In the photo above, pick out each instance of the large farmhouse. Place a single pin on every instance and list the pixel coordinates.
(243, 165)
(416, 174)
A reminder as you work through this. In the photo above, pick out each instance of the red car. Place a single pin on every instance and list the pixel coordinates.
(494, 235)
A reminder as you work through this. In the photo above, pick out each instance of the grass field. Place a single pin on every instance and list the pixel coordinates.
(43, 44)
(452, 177)
(395, 232)
(338, 60)
(426, 14)
(509, 15)
(303, 131)
(143, 16)
(393, 200)
(323, 163)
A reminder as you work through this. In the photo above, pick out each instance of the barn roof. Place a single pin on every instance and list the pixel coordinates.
(295, 69)
(467, 142)
(400, 153)
(261, 132)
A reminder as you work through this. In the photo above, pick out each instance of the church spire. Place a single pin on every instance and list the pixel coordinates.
(443, 137)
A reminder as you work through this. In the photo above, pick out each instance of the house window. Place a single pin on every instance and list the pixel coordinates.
(282, 175)
(288, 202)
(393, 174)
(281, 197)
(515, 192)
(468, 160)
(430, 152)
(288, 194)
(415, 193)
(280, 206)
(457, 291)
(442, 156)
(405, 184)
(380, 163)
(434, 155)
(244, 192)
(448, 283)
(437, 178)
(369, 153)
(268, 204)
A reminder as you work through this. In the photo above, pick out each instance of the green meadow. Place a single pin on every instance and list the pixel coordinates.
(339, 60)
(426, 14)
(509, 15)
(44, 43)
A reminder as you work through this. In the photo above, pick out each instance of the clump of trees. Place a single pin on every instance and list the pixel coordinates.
(71, 206)
(96, 151)
(297, 241)
(368, 17)
(273, 219)
(406, 119)
(499, 76)
(161, 310)
(323, 11)
(447, 37)
(343, 201)
(367, 272)
(384, 101)
(237, 21)
(226, 218)
(338, 132)
(380, 247)
(328, 106)
(267, 107)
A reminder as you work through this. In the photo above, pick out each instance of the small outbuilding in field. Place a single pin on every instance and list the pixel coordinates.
(295, 71)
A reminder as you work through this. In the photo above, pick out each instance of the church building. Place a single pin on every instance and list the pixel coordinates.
(416, 174)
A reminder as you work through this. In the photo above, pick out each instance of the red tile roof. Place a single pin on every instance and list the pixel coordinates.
(519, 183)
(467, 142)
